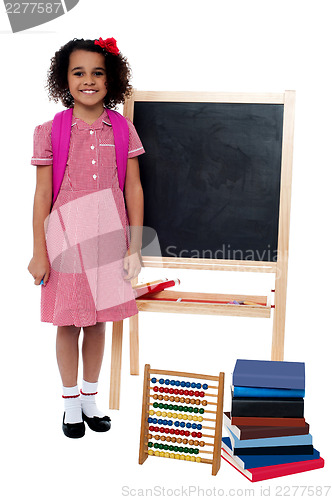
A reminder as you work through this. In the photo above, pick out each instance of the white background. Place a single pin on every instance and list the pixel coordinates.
(249, 45)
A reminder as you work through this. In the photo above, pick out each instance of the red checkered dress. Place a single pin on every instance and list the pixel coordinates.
(87, 229)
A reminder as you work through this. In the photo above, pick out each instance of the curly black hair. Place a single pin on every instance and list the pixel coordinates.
(118, 73)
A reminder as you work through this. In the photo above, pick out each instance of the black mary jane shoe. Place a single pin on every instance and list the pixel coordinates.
(98, 424)
(73, 430)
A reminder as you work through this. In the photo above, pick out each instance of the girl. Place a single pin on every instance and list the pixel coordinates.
(83, 257)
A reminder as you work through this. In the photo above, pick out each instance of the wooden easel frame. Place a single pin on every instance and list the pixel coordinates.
(143, 448)
(279, 268)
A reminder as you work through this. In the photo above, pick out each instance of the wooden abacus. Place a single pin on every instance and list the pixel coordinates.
(183, 431)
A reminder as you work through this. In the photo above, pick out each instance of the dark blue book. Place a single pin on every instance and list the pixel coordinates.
(272, 374)
(253, 461)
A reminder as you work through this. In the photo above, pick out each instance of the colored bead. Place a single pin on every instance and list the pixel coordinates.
(202, 443)
(200, 419)
(193, 385)
(170, 415)
(166, 389)
(187, 384)
(168, 431)
(170, 422)
(182, 400)
(201, 410)
(171, 391)
(166, 398)
(181, 457)
(183, 384)
(150, 445)
(196, 410)
(186, 392)
(166, 455)
(177, 383)
(162, 438)
(191, 393)
(196, 443)
(201, 394)
(198, 385)
(167, 381)
(181, 392)
(204, 402)
(155, 396)
(199, 426)
(150, 452)
(182, 424)
(154, 380)
(172, 382)
(177, 424)
(172, 398)
(187, 433)
(194, 434)
(205, 386)
(155, 388)
(172, 455)
(177, 456)
(162, 454)
(194, 426)
(157, 454)
(196, 451)
(181, 432)
(161, 389)
(198, 401)
(198, 459)
(161, 381)
(160, 397)
(177, 399)
(199, 434)
(188, 425)
(191, 442)
(168, 439)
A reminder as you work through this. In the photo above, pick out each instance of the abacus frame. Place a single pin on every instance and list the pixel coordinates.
(143, 448)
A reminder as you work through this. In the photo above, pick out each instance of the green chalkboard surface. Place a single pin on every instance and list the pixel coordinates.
(211, 177)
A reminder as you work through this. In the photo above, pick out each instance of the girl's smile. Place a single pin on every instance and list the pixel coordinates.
(87, 79)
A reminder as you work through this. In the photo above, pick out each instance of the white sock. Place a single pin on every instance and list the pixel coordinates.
(88, 396)
(73, 410)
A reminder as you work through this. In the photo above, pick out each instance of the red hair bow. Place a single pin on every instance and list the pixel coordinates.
(109, 45)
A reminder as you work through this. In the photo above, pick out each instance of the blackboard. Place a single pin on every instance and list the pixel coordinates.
(211, 177)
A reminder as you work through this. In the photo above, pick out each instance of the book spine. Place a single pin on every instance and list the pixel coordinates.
(268, 421)
(266, 407)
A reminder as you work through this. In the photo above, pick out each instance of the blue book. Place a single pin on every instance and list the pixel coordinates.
(304, 439)
(254, 461)
(264, 392)
(283, 445)
(270, 374)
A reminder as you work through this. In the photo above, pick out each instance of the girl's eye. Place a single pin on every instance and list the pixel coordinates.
(99, 73)
(78, 73)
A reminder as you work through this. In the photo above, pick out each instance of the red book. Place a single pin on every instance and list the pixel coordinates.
(272, 471)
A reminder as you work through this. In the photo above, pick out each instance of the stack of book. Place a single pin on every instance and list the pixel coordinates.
(268, 435)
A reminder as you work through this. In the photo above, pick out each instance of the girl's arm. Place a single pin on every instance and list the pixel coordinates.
(134, 201)
(39, 264)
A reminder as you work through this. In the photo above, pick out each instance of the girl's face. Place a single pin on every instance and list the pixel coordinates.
(87, 78)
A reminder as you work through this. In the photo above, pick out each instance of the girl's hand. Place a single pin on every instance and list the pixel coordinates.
(131, 265)
(39, 267)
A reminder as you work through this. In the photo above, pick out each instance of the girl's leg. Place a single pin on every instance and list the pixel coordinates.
(67, 357)
(67, 354)
(92, 354)
(93, 351)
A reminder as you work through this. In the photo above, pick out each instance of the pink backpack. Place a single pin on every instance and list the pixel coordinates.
(61, 129)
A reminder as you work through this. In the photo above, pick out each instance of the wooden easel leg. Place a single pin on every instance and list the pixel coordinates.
(134, 345)
(114, 401)
(279, 315)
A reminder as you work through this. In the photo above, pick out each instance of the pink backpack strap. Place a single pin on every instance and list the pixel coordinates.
(61, 129)
(121, 141)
